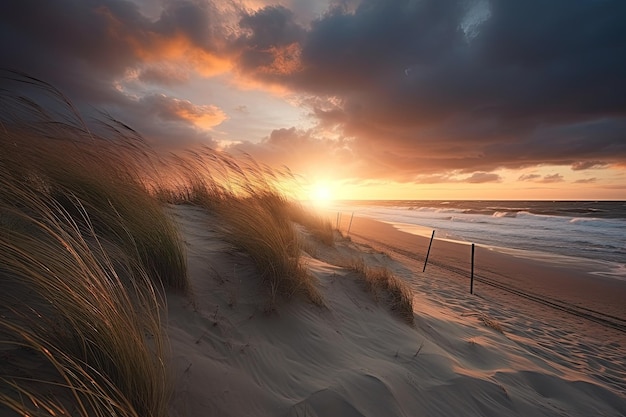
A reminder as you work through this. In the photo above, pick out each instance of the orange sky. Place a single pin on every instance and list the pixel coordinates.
(366, 99)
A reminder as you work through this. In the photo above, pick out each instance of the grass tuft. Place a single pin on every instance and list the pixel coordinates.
(256, 226)
(88, 247)
(384, 285)
(88, 317)
(319, 227)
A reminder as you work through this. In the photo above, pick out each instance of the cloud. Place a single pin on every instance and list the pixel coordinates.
(454, 177)
(168, 75)
(548, 179)
(483, 177)
(99, 52)
(269, 43)
(586, 181)
(529, 177)
(305, 153)
(173, 109)
(69, 43)
(404, 90)
(523, 90)
(585, 165)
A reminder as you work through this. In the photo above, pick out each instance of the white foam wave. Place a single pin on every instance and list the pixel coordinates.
(500, 214)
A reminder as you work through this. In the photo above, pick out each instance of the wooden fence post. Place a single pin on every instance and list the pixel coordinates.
(472, 275)
(428, 252)
(350, 225)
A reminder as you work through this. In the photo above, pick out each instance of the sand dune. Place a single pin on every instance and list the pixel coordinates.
(491, 354)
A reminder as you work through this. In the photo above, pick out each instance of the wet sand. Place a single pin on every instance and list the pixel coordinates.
(571, 285)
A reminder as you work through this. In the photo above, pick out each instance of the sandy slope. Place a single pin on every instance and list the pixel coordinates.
(352, 358)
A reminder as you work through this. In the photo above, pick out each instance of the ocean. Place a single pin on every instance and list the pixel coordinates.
(591, 234)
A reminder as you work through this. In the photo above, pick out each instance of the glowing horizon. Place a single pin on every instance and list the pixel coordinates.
(439, 114)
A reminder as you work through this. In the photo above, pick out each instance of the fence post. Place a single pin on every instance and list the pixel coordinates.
(338, 219)
(350, 225)
(428, 252)
(472, 275)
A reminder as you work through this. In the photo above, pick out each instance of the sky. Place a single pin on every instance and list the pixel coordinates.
(369, 99)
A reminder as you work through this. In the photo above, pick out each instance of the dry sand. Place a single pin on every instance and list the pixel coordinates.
(353, 358)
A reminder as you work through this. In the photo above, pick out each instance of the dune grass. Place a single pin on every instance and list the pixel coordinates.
(254, 214)
(253, 225)
(110, 174)
(88, 314)
(319, 227)
(382, 284)
(84, 238)
(85, 250)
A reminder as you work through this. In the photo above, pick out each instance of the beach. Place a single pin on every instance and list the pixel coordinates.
(489, 354)
(191, 283)
(572, 285)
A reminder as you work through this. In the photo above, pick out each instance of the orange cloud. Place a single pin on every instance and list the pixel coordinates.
(202, 116)
(150, 47)
(286, 60)
(168, 108)
(179, 49)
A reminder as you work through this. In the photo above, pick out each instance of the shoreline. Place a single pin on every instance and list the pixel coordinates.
(606, 269)
(567, 238)
(572, 285)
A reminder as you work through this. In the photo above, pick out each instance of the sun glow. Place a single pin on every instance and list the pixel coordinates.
(320, 194)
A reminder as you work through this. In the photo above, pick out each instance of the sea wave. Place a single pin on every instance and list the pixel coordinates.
(512, 214)
(586, 220)
(598, 238)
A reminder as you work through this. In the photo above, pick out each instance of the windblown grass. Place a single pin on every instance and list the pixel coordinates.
(89, 313)
(254, 214)
(84, 251)
(109, 175)
(319, 227)
(85, 240)
(382, 284)
(253, 225)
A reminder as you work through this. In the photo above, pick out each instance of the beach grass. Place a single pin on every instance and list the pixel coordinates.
(383, 285)
(92, 319)
(85, 253)
(253, 225)
(254, 215)
(320, 228)
(86, 241)
(109, 173)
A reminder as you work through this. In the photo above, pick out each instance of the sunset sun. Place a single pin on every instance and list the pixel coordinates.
(320, 194)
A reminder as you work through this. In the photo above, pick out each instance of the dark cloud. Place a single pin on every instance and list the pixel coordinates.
(586, 181)
(410, 88)
(67, 42)
(584, 165)
(482, 177)
(269, 43)
(88, 48)
(529, 177)
(270, 26)
(546, 179)
(535, 84)
(194, 19)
